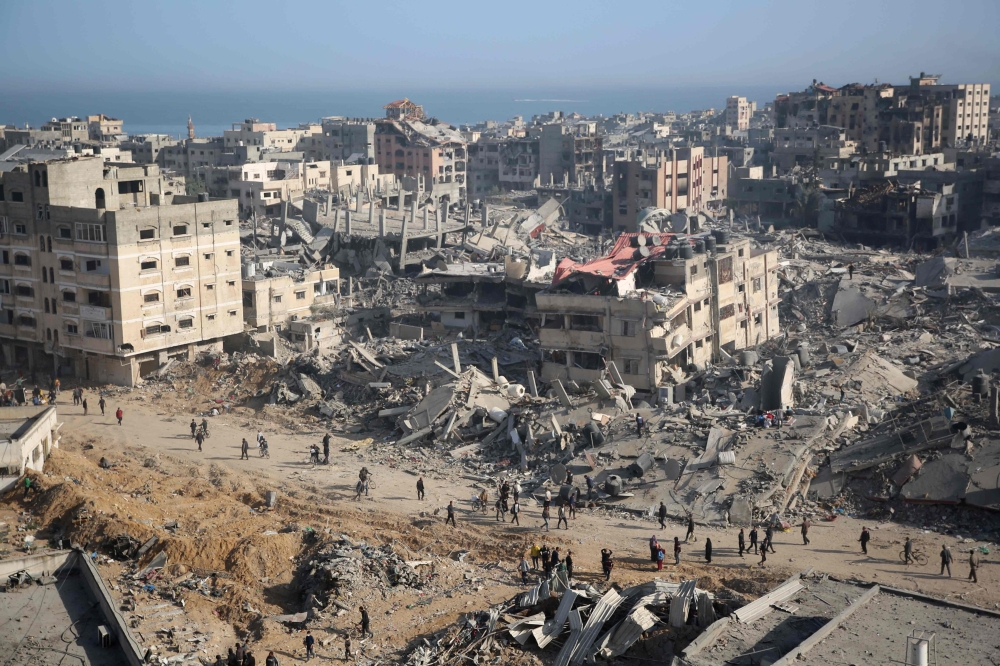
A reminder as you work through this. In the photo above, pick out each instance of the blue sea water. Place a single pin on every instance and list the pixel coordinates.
(212, 112)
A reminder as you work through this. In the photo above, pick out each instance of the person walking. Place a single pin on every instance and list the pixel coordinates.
(764, 544)
(805, 531)
(249, 659)
(973, 565)
(451, 514)
(27, 486)
(309, 642)
(572, 504)
(568, 561)
(663, 516)
(200, 437)
(677, 551)
(271, 659)
(590, 486)
(366, 623)
(708, 550)
(545, 518)
(523, 568)
(241, 652)
(742, 542)
(347, 646)
(654, 545)
(763, 553)
(515, 511)
(865, 538)
(562, 517)
(484, 500)
(118, 414)
(245, 450)
(945, 560)
(850, 271)
(84, 404)
(607, 563)
(659, 556)
(498, 507)
(690, 532)
(102, 403)
(534, 556)
(543, 555)
(753, 539)
(76, 397)
(420, 487)
(554, 559)
(326, 449)
(231, 659)
(769, 535)
(639, 423)
(908, 551)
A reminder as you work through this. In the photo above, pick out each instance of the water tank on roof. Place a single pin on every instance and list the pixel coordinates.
(710, 243)
(980, 384)
(699, 246)
(371, 161)
(721, 236)
(671, 253)
(687, 252)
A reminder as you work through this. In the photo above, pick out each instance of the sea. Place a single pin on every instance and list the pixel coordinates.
(161, 112)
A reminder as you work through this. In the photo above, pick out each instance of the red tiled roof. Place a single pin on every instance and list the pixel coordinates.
(619, 263)
(398, 104)
(824, 88)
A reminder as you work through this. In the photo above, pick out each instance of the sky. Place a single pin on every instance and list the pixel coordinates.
(185, 45)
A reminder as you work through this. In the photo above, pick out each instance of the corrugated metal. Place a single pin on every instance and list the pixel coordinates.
(762, 606)
(575, 630)
(602, 612)
(544, 634)
(521, 630)
(680, 604)
(629, 631)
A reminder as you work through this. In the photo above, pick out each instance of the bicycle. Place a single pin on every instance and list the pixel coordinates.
(204, 432)
(262, 450)
(916, 557)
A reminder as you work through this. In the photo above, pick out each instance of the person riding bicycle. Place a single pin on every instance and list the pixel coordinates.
(314, 454)
(194, 428)
(908, 550)
(204, 426)
(484, 500)
(262, 445)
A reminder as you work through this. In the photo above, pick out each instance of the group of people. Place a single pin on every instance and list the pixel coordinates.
(549, 559)
(769, 419)
(242, 655)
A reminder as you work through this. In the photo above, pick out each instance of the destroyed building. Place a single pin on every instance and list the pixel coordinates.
(277, 293)
(654, 301)
(436, 154)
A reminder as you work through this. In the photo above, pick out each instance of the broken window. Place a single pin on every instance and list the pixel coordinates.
(726, 311)
(588, 360)
(725, 270)
(756, 284)
(184, 292)
(629, 328)
(758, 319)
(694, 270)
(630, 366)
(553, 321)
(585, 323)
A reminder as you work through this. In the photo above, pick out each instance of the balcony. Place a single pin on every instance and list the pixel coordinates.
(93, 280)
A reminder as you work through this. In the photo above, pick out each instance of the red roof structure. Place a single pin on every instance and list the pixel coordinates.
(624, 258)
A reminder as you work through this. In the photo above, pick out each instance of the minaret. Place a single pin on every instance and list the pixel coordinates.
(190, 128)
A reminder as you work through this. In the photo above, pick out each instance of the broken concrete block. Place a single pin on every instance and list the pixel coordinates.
(561, 393)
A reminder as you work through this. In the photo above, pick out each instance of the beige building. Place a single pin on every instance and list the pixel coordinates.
(104, 129)
(674, 180)
(27, 436)
(105, 273)
(699, 302)
(261, 187)
(739, 112)
(267, 136)
(272, 303)
(70, 129)
(432, 154)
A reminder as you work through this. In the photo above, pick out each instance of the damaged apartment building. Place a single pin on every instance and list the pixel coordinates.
(656, 301)
(105, 273)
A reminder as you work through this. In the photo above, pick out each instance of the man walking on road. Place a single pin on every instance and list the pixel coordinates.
(515, 511)
(420, 488)
(84, 403)
(545, 517)
(805, 531)
(102, 403)
(562, 517)
(245, 450)
(690, 532)
(753, 539)
(769, 536)
(198, 438)
(663, 516)
(945, 560)
(366, 623)
(743, 542)
(326, 449)
(524, 568)
(973, 565)
(118, 414)
(865, 538)
(451, 514)
(677, 551)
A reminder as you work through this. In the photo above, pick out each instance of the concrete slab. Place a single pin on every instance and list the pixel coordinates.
(941, 481)
(850, 306)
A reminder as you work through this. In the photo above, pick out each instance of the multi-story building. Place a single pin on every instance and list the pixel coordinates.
(403, 109)
(147, 148)
(189, 156)
(70, 129)
(701, 299)
(570, 152)
(675, 180)
(106, 273)
(809, 146)
(261, 187)
(348, 140)
(104, 129)
(518, 162)
(484, 167)
(739, 112)
(434, 156)
(887, 213)
(271, 303)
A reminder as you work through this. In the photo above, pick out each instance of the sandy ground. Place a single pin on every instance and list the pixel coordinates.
(312, 493)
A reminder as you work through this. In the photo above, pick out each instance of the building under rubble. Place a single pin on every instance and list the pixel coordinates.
(655, 301)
